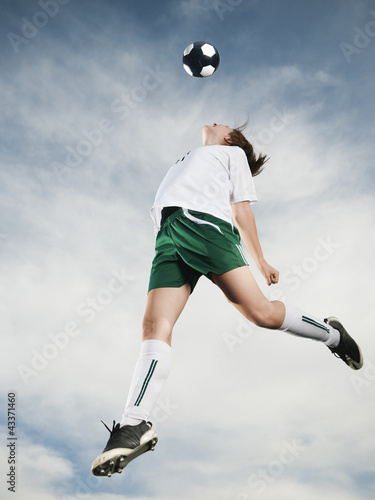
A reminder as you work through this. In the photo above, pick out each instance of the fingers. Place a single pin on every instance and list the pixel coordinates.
(274, 278)
(271, 274)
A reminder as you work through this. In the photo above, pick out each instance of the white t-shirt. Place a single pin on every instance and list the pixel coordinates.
(207, 179)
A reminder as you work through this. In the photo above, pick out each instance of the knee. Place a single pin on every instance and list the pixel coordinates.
(156, 329)
(263, 315)
(148, 327)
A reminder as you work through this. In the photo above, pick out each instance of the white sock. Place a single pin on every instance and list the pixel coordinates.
(150, 373)
(305, 325)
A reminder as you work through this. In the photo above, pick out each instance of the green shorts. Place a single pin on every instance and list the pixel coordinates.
(186, 249)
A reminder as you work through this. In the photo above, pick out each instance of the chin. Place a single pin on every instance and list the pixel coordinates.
(204, 134)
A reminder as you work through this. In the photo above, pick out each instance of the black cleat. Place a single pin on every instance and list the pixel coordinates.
(124, 444)
(347, 349)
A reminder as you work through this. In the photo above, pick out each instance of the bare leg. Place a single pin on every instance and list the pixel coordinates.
(241, 289)
(163, 308)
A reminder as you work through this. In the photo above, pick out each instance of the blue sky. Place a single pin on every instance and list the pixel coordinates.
(246, 413)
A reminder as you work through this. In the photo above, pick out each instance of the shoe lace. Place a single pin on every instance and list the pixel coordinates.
(115, 428)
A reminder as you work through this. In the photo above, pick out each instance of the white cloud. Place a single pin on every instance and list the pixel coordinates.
(40, 470)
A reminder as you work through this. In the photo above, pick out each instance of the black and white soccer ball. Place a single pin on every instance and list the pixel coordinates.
(201, 59)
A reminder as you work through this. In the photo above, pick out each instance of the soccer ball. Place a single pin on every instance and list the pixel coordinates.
(201, 59)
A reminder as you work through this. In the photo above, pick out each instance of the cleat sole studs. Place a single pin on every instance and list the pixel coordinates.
(119, 471)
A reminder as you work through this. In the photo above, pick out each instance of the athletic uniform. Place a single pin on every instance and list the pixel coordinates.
(199, 237)
(195, 237)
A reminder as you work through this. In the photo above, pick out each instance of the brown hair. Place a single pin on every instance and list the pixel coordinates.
(236, 138)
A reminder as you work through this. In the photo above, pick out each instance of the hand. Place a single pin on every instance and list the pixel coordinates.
(270, 273)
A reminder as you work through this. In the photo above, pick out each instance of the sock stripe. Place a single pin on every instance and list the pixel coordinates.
(314, 323)
(146, 381)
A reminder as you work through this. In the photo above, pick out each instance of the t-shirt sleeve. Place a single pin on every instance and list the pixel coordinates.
(243, 187)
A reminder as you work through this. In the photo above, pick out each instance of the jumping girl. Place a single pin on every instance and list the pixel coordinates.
(202, 210)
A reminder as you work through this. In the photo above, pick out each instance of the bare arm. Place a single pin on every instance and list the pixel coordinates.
(245, 222)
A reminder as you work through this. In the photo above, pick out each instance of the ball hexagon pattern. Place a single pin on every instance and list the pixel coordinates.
(201, 59)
